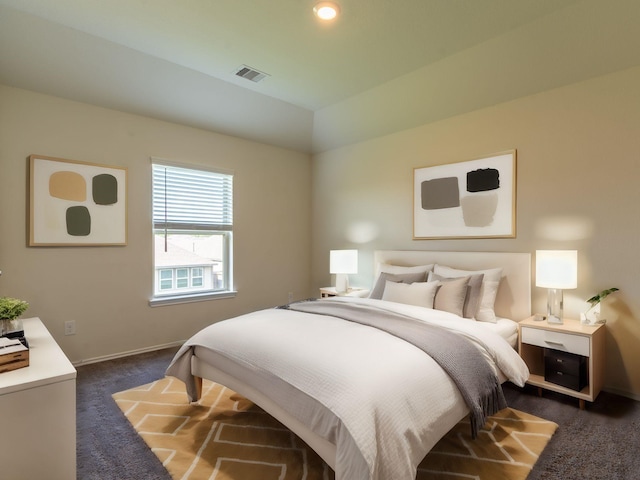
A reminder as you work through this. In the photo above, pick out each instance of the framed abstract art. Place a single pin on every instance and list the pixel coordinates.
(472, 199)
(76, 203)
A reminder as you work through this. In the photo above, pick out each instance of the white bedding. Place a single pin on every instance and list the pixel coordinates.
(383, 402)
(506, 328)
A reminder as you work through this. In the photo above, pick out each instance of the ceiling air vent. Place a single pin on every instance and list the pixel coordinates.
(250, 73)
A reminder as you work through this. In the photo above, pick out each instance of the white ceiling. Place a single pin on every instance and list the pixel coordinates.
(175, 60)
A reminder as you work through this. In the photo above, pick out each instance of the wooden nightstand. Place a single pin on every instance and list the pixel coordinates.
(352, 292)
(572, 346)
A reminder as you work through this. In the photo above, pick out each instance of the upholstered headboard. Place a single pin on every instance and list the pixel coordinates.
(513, 299)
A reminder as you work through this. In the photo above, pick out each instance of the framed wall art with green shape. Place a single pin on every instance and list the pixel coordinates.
(75, 203)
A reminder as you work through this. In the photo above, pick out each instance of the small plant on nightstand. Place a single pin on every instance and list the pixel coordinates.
(592, 316)
(10, 310)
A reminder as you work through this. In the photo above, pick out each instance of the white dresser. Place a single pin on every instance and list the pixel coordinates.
(38, 412)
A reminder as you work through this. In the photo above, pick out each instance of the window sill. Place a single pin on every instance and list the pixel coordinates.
(196, 297)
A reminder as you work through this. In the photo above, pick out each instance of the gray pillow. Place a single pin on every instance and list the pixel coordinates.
(490, 285)
(473, 294)
(378, 289)
(451, 295)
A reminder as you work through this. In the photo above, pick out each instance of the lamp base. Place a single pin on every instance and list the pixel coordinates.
(342, 282)
(554, 306)
(554, 319)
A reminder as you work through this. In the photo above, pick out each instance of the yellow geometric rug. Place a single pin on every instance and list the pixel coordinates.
(226, 437)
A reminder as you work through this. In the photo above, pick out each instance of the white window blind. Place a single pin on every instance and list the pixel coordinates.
(190, 199)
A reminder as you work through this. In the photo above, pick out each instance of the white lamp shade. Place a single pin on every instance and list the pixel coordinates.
(557, 269)
(343, 261)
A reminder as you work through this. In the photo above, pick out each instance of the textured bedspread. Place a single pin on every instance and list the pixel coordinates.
(383, 402)
(470, 371)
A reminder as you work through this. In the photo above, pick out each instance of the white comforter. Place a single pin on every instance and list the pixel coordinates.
(383, 402)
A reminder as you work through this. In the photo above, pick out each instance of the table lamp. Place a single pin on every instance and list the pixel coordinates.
(556, 270)
(342, 263)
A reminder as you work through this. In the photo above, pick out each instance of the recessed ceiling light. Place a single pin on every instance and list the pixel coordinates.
(326, 10)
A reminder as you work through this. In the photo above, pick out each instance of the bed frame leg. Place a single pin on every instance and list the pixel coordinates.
(198, 381)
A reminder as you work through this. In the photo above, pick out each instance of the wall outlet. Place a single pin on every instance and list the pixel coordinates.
(70, 327)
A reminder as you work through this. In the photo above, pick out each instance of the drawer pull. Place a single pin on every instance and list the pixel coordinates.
(550, 342)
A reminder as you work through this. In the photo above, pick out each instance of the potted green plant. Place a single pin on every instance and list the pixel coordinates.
(10, 310)
(592, 316)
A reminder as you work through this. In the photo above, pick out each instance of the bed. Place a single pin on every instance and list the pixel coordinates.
(365, 396)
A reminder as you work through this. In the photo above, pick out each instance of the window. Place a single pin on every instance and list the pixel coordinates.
(182, 277)
(192, 228)
(166, 279)
(197, 277)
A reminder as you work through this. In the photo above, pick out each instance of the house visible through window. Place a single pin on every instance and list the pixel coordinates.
(192, 227)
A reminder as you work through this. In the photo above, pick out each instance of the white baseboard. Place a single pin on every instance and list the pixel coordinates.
(104, 358)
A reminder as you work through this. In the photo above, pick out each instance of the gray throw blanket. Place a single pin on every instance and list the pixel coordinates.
(463, 362)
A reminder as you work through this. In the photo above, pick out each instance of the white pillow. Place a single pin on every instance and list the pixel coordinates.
(490, 284)
(378, 288)
(485, 311)
(397, 269)
(419, 293)
(405, 274)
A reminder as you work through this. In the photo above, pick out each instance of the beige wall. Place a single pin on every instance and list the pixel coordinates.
(106, 289)
(578, 171)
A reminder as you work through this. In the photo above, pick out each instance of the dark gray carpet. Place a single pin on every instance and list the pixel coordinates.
(108, 448)
(600, 442)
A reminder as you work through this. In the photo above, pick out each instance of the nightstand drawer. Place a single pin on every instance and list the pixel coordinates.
(555, 360)
(564, 342)
(566, 369)
(573, 382)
